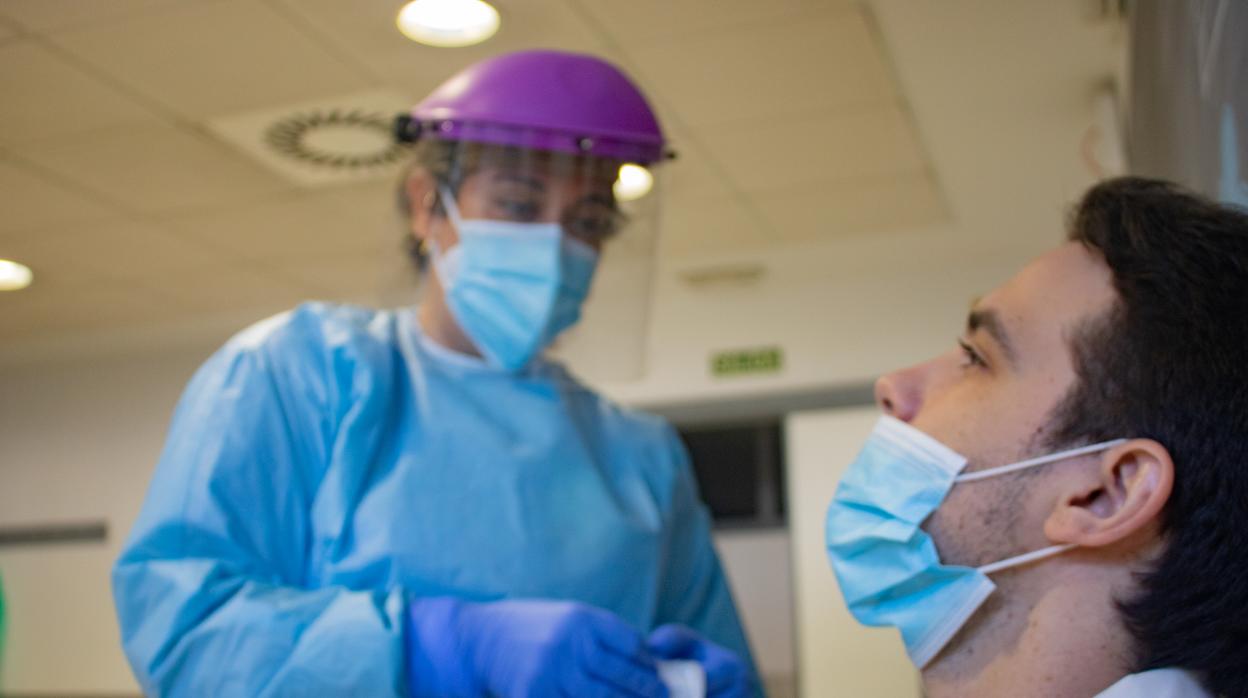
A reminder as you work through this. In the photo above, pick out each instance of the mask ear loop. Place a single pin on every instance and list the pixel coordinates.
(450, 206)
(1042, 460)
(1052, 550)
(446, 269)
(1025, 558)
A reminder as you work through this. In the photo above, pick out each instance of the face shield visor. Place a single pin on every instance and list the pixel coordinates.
(602, 207)
(560, 145)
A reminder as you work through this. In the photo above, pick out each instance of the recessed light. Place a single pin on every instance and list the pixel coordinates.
(14, 276)
(448, 23)
(633, 183)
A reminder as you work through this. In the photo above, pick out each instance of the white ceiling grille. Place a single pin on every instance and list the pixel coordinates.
(343, 139)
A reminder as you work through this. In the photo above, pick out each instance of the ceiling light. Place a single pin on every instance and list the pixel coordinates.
(14, 276)
(633, 183)
(448, 23)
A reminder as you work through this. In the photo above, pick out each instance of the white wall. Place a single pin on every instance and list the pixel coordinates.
(77, 442)
(842, 313)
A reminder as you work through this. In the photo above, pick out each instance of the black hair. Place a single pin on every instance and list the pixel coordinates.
(1169, 361)
(439, 160)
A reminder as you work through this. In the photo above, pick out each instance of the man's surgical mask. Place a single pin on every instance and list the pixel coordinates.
(513, 287)
(887, 566)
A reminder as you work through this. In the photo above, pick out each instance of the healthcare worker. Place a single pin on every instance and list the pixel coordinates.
(417, 502)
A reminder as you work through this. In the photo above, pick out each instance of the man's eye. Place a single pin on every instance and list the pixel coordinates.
(970, 356)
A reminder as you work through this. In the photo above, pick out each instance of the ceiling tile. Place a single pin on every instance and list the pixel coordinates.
(649, 19)
(50, 254)
(694, 173)
(356, 278)
(44, 310)
(55, 98)
(40, 15)
(823, 148)
(30, 201)
(698, 226)
(365, 30)
(772, 70)
(7, 31)
(352, 220)
(690, 177)
(116, 250)
(231, 289)
(824, 213)
(208, 59)
(155, 168)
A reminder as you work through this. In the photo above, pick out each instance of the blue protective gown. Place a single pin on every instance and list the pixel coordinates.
(330, 463)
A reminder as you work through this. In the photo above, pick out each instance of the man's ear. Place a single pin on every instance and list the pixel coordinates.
(1123, 495)
(421, 194)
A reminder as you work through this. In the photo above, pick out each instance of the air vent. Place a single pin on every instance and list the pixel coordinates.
(344, 139)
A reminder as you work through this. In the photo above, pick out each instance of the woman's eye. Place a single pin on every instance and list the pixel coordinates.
(594, 228)
(970, 356)
(517, 210)
(593, 220)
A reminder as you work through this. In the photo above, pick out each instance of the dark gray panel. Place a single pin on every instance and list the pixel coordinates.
(54, 534)
(1188, 116)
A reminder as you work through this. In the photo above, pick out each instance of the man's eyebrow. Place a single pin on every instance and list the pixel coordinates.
(990, 322)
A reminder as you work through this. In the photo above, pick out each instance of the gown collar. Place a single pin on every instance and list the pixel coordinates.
(459, 360)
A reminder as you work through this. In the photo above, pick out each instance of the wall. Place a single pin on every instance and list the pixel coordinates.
(79, 440)
(842, 313)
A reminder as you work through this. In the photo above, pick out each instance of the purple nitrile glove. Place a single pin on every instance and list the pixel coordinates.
(523, 648)
(727, 675)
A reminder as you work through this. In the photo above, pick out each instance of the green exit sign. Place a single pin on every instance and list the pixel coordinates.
(746, 361)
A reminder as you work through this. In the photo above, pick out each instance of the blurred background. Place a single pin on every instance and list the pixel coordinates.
(850, 175)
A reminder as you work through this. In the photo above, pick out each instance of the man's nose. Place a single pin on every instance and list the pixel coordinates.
(899, 394)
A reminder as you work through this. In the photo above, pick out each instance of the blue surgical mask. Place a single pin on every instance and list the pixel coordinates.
(513, 287)
(887, 566)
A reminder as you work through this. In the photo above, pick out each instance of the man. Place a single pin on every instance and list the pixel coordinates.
(1131, 339)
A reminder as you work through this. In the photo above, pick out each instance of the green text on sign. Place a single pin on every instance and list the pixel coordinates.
(736, 363)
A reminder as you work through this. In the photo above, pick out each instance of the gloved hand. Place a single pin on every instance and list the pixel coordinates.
(525, 648)
(727, 675)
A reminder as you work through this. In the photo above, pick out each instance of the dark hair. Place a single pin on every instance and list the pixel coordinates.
(1170, 362)
(438, 158)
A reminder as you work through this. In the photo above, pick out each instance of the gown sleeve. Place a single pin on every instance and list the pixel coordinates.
(210, 586)
(694, 590)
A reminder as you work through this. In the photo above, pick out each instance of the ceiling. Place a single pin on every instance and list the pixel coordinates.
(133, 213)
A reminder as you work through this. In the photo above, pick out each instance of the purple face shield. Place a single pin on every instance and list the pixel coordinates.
(543, 100)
